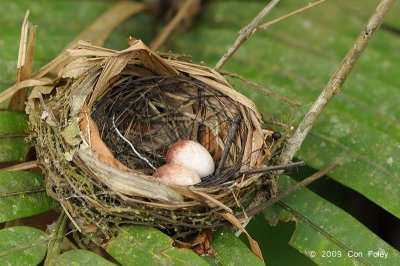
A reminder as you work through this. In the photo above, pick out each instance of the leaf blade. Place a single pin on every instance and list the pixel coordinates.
(141, 245)
(13, 131)
(81, 257)
(22, 245)
(231, 250)
(324, 228)
(22, 194)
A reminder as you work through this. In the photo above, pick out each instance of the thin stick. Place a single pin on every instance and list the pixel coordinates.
(245, 33)
(261, 88)
(21, 166)
(272, 168)
(57, 236)
(130, 144)
(269, 23)
(336, 82)
(290, 190)
(166, 32)
(229, 140)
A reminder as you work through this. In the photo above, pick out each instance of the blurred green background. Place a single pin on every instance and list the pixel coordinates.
(360, 130)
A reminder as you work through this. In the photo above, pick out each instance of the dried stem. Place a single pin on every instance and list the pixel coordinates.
(292, 189)
(245, 33)
(21, 166)
(269, 23)
(57, 236)
(166, 32)
(24, 64)
(229, 140)
(273, 168)
(336, 82)
(261, 88)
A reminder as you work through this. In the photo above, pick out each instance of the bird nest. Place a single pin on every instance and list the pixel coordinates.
(106, 122)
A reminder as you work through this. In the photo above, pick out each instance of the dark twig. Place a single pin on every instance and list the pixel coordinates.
(245, 33)
(229, 140)
(336, 82)
(272, 168)
(292, 189)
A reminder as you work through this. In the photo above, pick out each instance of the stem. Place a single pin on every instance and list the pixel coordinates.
(273, 168)
(245, 33)
(336, 82)
(229, 140)
(269, 23)
(21, 166)
(56, 240)
(291, 190)
(166, 32)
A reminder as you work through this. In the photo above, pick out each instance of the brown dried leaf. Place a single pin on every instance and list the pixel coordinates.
(202, 244)
(92, 136)
(253, 244)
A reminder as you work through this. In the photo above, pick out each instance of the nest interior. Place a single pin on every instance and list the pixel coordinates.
(79, 118)
(152, 113)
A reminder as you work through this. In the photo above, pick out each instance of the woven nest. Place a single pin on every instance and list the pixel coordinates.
(100, 95)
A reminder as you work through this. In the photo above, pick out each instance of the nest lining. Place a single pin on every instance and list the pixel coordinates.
(153, 102)
(152, 113)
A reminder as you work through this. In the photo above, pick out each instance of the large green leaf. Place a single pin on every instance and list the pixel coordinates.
(13, 131)
(231, 250)
(142, 245)
(22, 194)
(81, 257)
(360, 130)
(22, 245)
(327, 234)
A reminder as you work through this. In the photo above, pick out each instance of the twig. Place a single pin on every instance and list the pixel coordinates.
(54, 246)
(336, 82)
(21, 166)
(229, 140)
(269, 23)
(272, 168)
(261, 88)
(290, 190)
(130, 144)
(245, 33)
(166, 32)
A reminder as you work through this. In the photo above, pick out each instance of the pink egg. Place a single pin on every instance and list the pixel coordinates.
(175, 174)
(191, 155)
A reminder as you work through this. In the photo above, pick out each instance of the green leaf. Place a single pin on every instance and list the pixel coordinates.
(360, 130)
(13, 131)
(81, 257)
(327, 234)
(22, 194)
(22, 245)
(231, 250)
(13, 123)
(141, 245)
